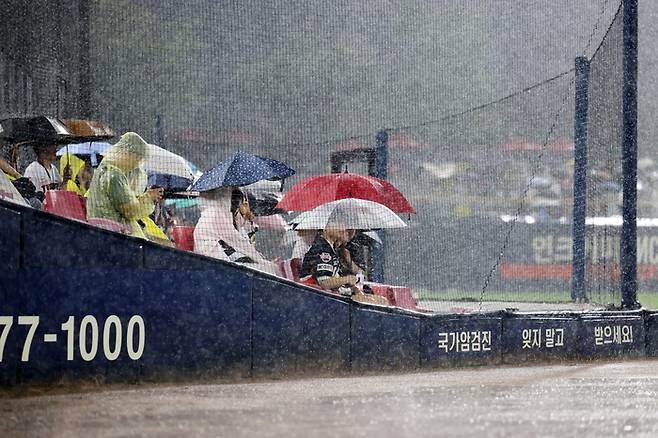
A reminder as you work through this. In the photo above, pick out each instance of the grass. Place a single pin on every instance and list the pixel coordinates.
(649, 300)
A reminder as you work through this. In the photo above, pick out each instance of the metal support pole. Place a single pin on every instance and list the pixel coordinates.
(159, 130)
(629, 160)
(580, 180)
(84, 84)
(381, 172)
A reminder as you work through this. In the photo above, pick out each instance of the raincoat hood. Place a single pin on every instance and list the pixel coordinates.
(76, 164)
(129, 143)
(219, 199)
(73, 161)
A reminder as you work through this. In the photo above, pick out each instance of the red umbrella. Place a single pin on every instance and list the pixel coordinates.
(317, 190)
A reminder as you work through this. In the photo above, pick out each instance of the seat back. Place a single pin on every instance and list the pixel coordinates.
(65, 203)
(290, 268)
(404, 298)
(183, 237)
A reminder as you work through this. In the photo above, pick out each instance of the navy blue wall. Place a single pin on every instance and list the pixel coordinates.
(651, 334)
(10, 250)
(201, 313)
(540, 337)
(208, 318)
(613, 335)
(297, 331)
(383, 341)
(460, 340)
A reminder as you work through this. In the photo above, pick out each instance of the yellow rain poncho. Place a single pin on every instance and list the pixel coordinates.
(76, 165)
(111, 194)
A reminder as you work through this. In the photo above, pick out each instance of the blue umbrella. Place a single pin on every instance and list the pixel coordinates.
(92, 148)
(240, 170)
(171, 183)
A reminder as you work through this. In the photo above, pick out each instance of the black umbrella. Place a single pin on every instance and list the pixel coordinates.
(264, 204)
(38, 129)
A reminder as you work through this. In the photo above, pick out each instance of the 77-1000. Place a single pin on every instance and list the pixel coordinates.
(88, 336)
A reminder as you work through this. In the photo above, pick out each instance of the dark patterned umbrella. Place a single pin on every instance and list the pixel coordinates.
(240, 170)
(38, 129)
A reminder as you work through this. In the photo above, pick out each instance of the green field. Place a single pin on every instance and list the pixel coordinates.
(649, 300)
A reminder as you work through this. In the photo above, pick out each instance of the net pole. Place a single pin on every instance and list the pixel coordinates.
(84, 60)
(381, 172)
(580, 180)
(159, 130)
(629, 160)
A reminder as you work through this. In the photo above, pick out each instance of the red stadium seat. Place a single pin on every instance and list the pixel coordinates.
(290, 269)
(183, 237)
(399, 296)
(404, 298)
(383, 290)
(65, 203)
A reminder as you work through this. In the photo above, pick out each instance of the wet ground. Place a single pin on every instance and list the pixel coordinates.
(583, 400)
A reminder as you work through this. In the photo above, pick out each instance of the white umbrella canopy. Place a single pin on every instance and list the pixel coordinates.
(162, 161)
(351, 213)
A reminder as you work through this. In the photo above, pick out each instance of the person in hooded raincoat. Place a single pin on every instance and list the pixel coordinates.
(111, 195)
(223, 232)
(79, 173)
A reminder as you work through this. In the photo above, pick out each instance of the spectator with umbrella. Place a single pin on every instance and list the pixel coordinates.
(111, 195)
(314, 191)
(317, 190)
(43, 173)
(322, 263)
(39, 131)
(226, 225)
(225, 229)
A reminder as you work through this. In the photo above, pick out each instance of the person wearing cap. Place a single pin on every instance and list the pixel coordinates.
(111, 195)
(43, 173)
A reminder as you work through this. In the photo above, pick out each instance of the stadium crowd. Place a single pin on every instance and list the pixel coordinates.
(114, 195)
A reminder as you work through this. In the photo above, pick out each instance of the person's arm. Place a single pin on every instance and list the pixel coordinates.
(142, 206)
(124, 200)
(8, 169)
(242, 244)
(336, 282)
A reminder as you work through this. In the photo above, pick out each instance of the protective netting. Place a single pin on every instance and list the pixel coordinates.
(493, 180)
(409, 95)
(604, 171)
